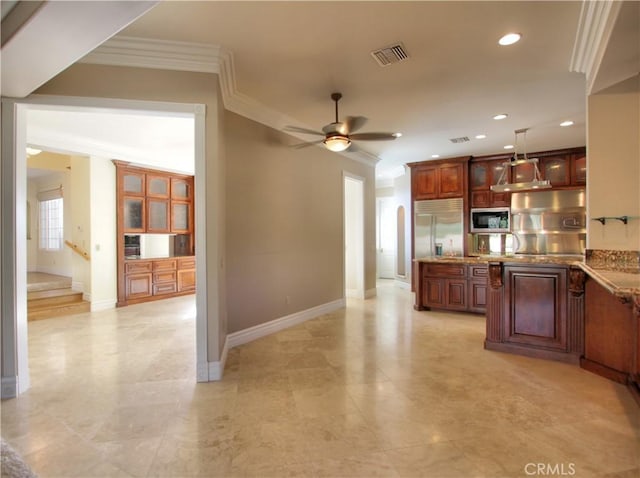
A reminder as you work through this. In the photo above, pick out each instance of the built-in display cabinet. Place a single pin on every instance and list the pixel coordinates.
(151, 201)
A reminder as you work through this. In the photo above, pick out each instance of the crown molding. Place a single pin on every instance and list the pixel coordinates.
(596, 23)
(203, 58)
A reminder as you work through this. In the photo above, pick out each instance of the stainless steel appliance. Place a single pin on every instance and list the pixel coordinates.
(132, 245)
(438, 227)
(549, 222)
(490, 220)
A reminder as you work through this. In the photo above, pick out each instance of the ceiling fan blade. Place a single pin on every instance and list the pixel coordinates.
(334, 128)
(354, 123)
(297, 129)
(305, 145)
(372, 136)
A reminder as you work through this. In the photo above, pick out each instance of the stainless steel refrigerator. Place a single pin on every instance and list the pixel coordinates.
(438, 228)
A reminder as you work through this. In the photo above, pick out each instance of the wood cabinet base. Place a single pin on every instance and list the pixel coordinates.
(530, 351)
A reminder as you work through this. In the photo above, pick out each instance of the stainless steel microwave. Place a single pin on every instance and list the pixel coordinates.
(490, 220)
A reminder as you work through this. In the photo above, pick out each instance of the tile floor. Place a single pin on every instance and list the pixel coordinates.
(377, 389)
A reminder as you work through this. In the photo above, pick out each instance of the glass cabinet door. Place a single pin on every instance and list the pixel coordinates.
(158, 220)
(556, 170)
(157, 186)
(479, 175)
(134, 215)
(181, 216)
(181, 189)
(133, 183)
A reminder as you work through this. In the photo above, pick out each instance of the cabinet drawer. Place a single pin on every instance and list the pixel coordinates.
(188, 263)
(169, 265)
(445, 270)
(164, 288)
(164, 276)
(477, 272)
(137, 267)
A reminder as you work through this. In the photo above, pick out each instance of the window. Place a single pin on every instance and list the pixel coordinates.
(50, 207)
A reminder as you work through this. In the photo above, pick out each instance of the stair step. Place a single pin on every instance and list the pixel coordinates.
(50, 285)
(48, 298)
(58, 310)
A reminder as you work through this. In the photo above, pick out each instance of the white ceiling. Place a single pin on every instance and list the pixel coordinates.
(290, 56)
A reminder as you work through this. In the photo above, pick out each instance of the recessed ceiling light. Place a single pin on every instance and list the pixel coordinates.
(509, 39)
(566, 123)
(396, 135)
(481, 136)
(508, 146)
(435, 155)
(500, 116)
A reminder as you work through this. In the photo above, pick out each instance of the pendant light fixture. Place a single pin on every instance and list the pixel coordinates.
(536, 181)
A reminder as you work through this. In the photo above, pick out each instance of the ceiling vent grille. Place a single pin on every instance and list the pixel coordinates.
(389, 55)
(461, 139)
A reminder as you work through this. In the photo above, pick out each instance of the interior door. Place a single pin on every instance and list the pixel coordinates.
(386, 240)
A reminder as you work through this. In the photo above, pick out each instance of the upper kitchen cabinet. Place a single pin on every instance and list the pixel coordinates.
(131, 183)
(182, 189)
(439, 179)
(158, 185)
(565, 168)
(484, 172)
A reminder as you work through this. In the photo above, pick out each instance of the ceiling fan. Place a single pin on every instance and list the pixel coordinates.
(338, 135)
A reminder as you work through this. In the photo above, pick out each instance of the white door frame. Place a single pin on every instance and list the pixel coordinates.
(358, 231)
(13, 262)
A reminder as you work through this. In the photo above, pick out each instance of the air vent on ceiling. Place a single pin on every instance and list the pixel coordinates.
(389, 55)
(461, 139)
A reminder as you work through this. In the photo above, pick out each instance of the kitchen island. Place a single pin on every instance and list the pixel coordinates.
(569, 308)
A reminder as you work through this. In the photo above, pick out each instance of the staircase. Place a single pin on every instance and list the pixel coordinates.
(54, 298)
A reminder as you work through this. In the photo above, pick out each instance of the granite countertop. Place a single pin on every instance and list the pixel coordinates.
(616, 271)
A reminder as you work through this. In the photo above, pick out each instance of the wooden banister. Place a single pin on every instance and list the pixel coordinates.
(78, 250)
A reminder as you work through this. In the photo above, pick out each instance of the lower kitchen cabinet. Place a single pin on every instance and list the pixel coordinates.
(448, 286)
(611, 344)
(146, 280)
(536, 310)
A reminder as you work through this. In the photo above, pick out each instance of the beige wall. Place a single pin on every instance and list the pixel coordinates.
(285, 224)
(613, 179)
(80, 222)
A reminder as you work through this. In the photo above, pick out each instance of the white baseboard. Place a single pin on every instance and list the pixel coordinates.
(213, 371)
(216, 369)
(104, 304)
(9, 387)
(268, 328)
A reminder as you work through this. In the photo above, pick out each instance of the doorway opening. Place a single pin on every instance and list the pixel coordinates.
(354, 236)
(13, 282)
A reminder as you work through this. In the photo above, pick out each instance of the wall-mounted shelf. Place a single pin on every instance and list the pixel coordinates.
(603, 219)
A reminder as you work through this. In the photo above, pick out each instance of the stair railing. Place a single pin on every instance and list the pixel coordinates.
(78, 250)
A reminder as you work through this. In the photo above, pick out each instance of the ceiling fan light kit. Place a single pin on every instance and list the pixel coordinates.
(337, 143)
(338, 135)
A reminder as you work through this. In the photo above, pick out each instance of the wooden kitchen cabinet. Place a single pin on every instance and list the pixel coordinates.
(449, 286)
(477, 288)
(157, 185)
(557, 170)
(484, 173)
(133, 213)
(157, 215)
(610, 343)
(439, 179)
(579, 169)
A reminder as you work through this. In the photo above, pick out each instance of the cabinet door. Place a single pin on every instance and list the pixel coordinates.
(481, 198)
(133, 183)
(134, 220)
(536, 309)
(425, 184)
(451, 181)
(186, 280)
(158, 215)
(479, 176)
(556, 169)
(522, 173)
(138, 286)
(579, 169)
(478, 296)
(456, 294)
(181, 189)
(180, 217)
(433, 294)
(157, 186)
